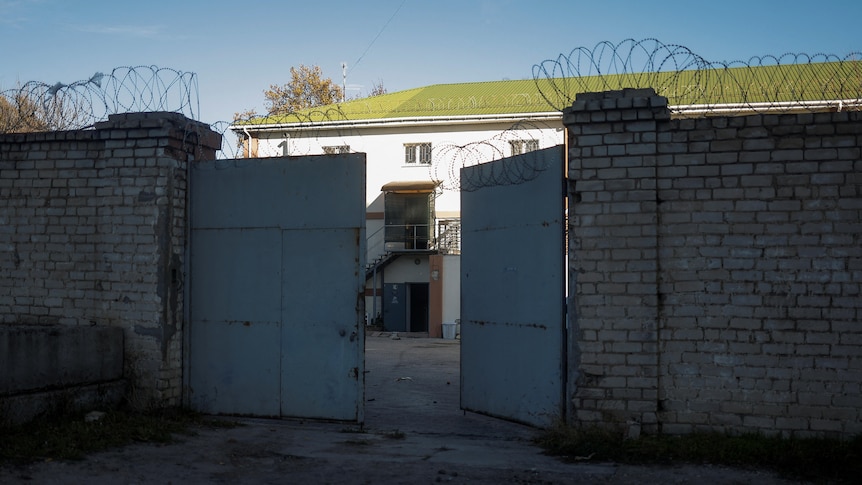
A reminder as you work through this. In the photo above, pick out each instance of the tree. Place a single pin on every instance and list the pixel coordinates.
(20, 112)
(245, 115)
(377, 89)
(307, 88)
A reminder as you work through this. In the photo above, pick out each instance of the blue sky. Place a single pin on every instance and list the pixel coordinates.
(238, 48)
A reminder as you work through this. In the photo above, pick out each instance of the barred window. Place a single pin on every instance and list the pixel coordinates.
(417, 153)
(520, 147)
(336, 149)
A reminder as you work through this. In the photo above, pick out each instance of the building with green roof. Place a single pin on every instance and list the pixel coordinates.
(417, 140)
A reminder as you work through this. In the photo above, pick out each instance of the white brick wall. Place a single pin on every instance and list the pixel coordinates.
(92, 233)
(717, 268)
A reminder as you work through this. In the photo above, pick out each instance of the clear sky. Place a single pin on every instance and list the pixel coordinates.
(238, 48)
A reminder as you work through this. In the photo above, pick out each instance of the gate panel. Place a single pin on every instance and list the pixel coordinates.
(237, 368)
(513, 272)
(305, 362)
(237, 307)
(276, 265)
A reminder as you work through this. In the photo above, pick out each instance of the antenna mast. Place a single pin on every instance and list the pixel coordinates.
(343, 81)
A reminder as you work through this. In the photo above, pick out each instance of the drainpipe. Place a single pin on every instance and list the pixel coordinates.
(374, 295)
(245, 129)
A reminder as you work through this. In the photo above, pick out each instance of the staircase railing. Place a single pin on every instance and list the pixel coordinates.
(448, 237)
(448, 241)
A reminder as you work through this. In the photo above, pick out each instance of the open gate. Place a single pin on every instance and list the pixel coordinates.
(513, 271)
(276, 264)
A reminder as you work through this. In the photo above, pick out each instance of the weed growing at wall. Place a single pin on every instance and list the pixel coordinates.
(817, 459)
(72, 437)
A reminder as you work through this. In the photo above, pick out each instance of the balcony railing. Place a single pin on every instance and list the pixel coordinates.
(407, 237)
(447, 241)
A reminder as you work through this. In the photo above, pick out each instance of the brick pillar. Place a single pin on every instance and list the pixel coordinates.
(162, 144)
(613, 256)
(94, 233)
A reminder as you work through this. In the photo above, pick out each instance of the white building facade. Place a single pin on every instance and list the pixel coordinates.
(412, 189)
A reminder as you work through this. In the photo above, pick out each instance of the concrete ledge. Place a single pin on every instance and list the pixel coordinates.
(52, 357)
(23, 408)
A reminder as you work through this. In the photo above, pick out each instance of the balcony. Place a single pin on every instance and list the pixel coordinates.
(392, 241)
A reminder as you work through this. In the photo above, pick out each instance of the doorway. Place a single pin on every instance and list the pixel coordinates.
(417, 307)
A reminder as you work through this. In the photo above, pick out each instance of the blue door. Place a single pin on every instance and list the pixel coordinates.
(395, 307)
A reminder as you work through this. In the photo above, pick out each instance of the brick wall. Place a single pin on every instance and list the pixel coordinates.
(93, 232)
(716, 268)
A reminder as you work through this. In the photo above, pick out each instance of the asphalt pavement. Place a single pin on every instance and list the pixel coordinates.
(414, 433)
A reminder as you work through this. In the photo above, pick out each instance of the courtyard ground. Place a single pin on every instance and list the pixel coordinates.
(414, 433)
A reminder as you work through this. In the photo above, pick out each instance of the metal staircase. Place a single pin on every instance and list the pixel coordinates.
(448, 241)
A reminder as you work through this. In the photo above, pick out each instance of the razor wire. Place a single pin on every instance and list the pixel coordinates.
(450, 159)
(696, 86)
(693, 86)
(37, 106)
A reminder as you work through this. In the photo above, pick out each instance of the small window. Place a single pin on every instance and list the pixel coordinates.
(417, 153)
(519, 147)
(336, 150)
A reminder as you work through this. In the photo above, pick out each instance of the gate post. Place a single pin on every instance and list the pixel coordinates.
(613, 257)
(94, 234)
(151, 152)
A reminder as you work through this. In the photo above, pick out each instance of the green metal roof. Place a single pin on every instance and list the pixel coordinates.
(466, 99)
(762, 84)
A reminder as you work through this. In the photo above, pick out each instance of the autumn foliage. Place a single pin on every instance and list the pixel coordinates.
(307, 88)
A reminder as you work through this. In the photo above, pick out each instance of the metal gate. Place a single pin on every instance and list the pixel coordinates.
(276, 264)
(513, 332)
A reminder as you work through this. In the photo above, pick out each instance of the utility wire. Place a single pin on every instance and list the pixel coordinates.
(350, 68)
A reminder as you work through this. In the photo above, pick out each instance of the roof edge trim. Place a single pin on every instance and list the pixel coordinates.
(413, 121)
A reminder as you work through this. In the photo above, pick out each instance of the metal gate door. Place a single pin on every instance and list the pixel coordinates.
(513, 334)
(277, 257)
